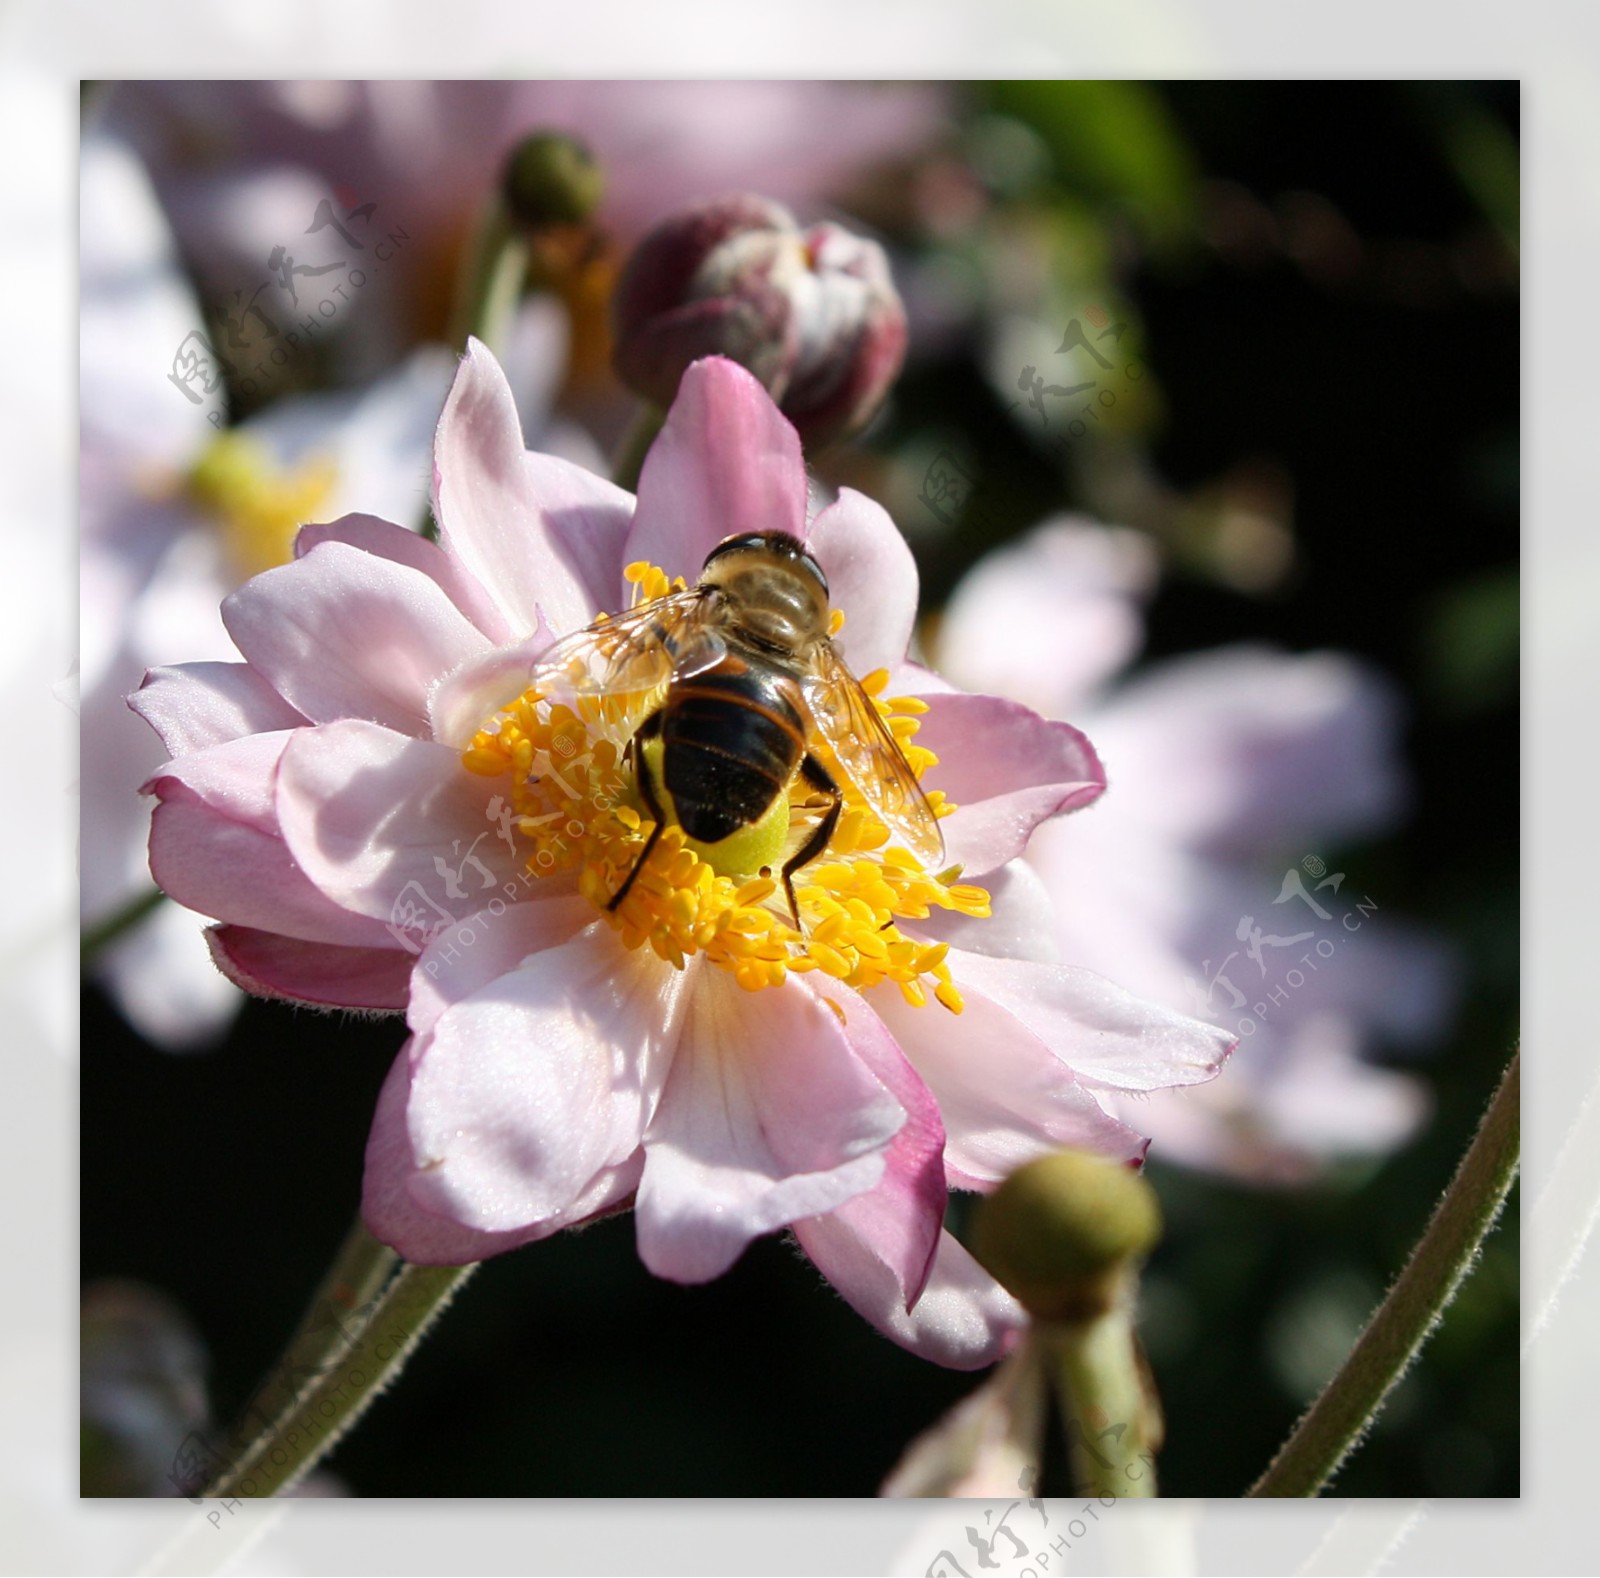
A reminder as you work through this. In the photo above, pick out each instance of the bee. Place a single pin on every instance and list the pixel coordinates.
(748, 679)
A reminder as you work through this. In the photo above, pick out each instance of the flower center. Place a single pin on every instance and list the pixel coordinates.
(258, 504)
(574, 802)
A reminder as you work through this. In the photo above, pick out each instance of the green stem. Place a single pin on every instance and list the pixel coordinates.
(1108, 1411)
(307, 1421)
(493, 281)
(1336, 1422)
(331, 1325)
(103, 933)
(629, 459)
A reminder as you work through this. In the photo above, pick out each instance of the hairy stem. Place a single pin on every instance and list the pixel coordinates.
(362, 1327)
(1341, 1416)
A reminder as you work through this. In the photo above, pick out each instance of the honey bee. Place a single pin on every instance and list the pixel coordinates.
(748, 679)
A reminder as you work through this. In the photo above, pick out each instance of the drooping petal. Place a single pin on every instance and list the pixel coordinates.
(194, 705)
(1007, 769)
(768, 1116)
(525, 1092)
(395, 1216)
(268, 965)
(964, 1319)
(388, 541)
(1004, 1095)
(726, 461)
(871, 576)
(897, 1223)
(536, 532)
(345, 634)
(1111, 1038)
(393, 828)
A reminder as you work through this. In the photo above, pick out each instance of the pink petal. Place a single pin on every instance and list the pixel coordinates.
(964, 1319)
(536, 532)
(461, 702)
(1273, 749)
(195, 705)
(395, 1217)
(385, 540)
(1007, 769)
(871, 576)
(1111, 1038)
(344, 634)
(394, 828)
(1021, 923)
(768, 1116)
(471, 955)
(268, 965)
(1005, 1096)
(1048, 619)
(897, 1223)
(215, 846)
(524, 1093)
(726, 461)
(991, 1444)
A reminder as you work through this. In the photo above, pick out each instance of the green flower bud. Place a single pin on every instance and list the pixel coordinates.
(551, 179)
(1061, 1232)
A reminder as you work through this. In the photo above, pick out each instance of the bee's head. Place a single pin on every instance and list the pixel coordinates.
(777, 589)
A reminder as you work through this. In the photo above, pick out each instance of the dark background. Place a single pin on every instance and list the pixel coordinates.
(1369, 361)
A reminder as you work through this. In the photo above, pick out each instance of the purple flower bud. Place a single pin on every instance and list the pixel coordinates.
(812, 313)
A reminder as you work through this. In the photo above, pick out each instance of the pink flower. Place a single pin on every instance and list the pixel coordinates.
(381, 819)
(1227, 768)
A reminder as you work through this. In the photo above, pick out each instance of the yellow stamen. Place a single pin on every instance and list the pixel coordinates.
(575, 807)
(258, 504)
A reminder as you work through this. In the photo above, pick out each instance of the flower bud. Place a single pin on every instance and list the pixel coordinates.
(812, 313)
(551, 179)
(1061, 1232)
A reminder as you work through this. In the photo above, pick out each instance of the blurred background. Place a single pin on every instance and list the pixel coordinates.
(1302, 299)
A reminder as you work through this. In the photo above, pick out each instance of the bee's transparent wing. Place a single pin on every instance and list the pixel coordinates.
(635, 652)
(854, 728)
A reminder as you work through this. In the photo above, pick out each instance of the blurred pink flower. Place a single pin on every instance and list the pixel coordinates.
(175, 511)
(345, 803)
(1231, 772)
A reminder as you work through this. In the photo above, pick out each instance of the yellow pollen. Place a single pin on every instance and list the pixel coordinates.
(572, 805)
(259, 505)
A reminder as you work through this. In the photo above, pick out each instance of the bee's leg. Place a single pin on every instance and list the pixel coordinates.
(647, 792)
(817, 776)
